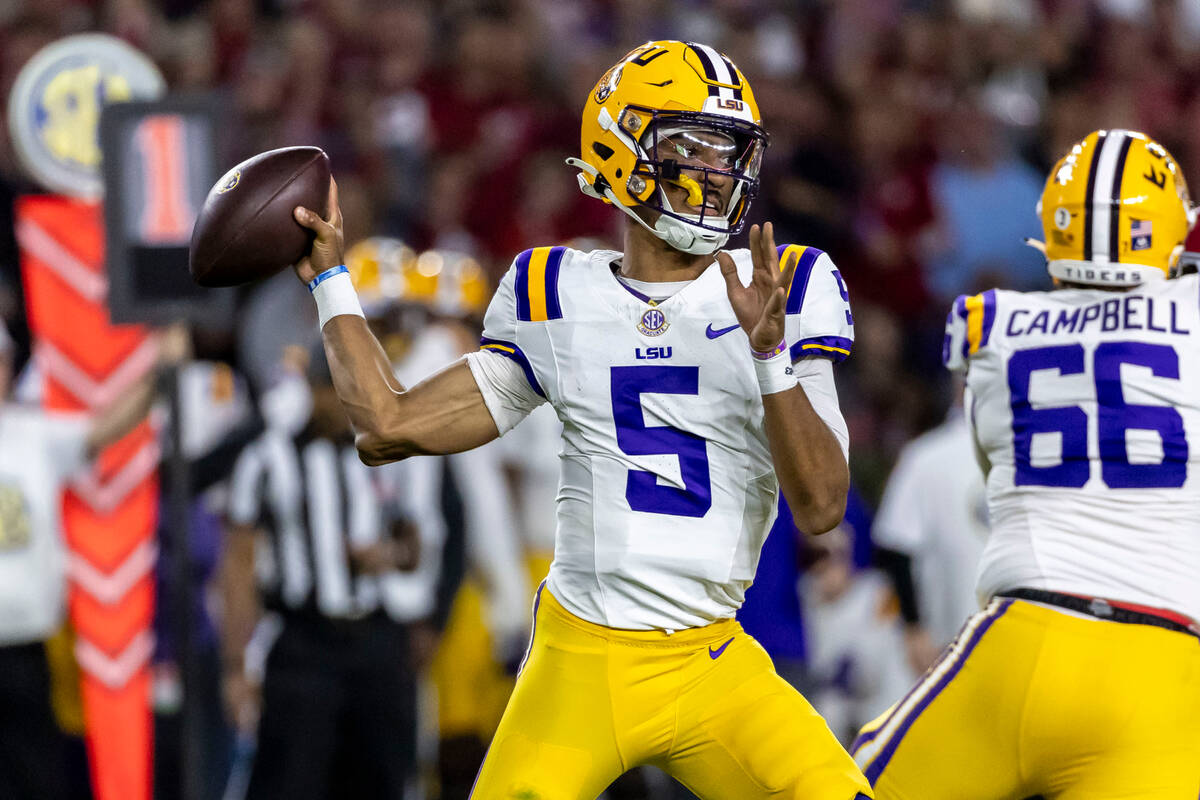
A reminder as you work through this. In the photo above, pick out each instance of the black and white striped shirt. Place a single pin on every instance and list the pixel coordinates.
(316, 501)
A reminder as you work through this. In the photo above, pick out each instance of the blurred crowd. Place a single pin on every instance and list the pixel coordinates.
(909, 139)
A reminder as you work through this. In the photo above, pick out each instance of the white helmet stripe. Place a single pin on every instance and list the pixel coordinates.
(1105, 181)
(720, 69)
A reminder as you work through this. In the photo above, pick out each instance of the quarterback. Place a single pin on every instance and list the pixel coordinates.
(1081, 676)
(692, 383)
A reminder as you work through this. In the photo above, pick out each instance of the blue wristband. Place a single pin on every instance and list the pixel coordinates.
(326, 275)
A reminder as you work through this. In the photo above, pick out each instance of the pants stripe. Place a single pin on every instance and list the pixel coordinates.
(874, 750)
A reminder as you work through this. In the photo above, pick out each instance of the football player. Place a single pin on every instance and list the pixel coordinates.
(1081, 676)
(692, 384)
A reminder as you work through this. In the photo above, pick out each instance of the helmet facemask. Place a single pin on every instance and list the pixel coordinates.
(714, 160)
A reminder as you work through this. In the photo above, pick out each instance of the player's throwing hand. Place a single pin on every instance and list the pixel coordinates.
(327, 248)
(760, 306)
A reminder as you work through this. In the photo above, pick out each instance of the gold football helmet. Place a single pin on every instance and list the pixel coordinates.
(1115, 211)
(673, 113)
(378, 267)
(448, 284)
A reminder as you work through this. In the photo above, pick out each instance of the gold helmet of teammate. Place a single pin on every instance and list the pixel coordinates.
(448, 284)
(673, 113)
(1115, 211)
(378, 268)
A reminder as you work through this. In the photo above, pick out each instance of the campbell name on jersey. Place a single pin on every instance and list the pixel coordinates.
(1086, 403)
(667, 488)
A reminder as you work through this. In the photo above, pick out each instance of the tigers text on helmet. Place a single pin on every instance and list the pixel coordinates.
(674, 113)
(1115, 211)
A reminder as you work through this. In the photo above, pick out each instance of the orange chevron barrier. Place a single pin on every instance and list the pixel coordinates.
(109, 515)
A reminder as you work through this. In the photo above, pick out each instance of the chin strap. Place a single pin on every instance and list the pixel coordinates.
(672, 231)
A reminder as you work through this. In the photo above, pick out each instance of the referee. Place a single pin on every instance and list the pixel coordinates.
(338, 689)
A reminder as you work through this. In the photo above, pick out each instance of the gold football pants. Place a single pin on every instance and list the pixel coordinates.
(1033, 701)
(703, 704)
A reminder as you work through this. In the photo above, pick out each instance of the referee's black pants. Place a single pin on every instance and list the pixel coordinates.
(32, 748)
(338, 712)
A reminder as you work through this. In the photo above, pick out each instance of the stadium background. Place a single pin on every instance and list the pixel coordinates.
(909, 139)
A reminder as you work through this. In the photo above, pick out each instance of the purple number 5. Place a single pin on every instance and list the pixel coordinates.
(635, 438)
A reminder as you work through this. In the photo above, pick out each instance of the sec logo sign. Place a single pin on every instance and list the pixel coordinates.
(55, 104)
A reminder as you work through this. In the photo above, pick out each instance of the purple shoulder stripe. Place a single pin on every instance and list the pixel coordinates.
(553, 262)
(989, 315)
(511, 351)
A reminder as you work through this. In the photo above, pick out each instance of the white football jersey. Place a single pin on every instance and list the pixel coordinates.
(667, 489)
(1084, 402)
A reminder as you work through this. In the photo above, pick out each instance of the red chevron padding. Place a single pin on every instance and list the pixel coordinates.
(119, 730)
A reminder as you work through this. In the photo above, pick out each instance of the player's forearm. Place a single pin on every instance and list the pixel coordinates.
(808, 461)
(444, 413)
(366, 385)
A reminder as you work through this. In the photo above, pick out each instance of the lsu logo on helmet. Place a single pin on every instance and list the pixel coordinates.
(1115, 211)
(673, 114)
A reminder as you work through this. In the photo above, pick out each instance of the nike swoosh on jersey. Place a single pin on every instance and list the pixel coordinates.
(712, 334)
(715, 654)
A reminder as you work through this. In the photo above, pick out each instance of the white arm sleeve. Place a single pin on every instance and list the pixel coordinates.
(816, 376)
(504, 387)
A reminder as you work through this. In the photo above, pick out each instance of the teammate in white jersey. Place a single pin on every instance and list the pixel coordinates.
(674, 368)
(1081, 677)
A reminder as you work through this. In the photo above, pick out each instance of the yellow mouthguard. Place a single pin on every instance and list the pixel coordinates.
(695, 193)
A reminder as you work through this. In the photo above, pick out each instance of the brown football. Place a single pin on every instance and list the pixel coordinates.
(246, 231)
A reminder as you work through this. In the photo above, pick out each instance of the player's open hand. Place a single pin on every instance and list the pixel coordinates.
(760, 307)
(327, 247)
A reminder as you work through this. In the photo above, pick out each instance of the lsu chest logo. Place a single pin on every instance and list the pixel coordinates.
(653, 323)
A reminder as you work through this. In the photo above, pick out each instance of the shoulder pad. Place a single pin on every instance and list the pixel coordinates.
(968, 328)
(819, 322)
(536, 284)
(806, 260)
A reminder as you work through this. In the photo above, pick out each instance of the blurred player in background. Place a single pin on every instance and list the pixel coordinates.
(40, 453)
(421, 308)
(676, 441)
(930, 530)
(1081, 676)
